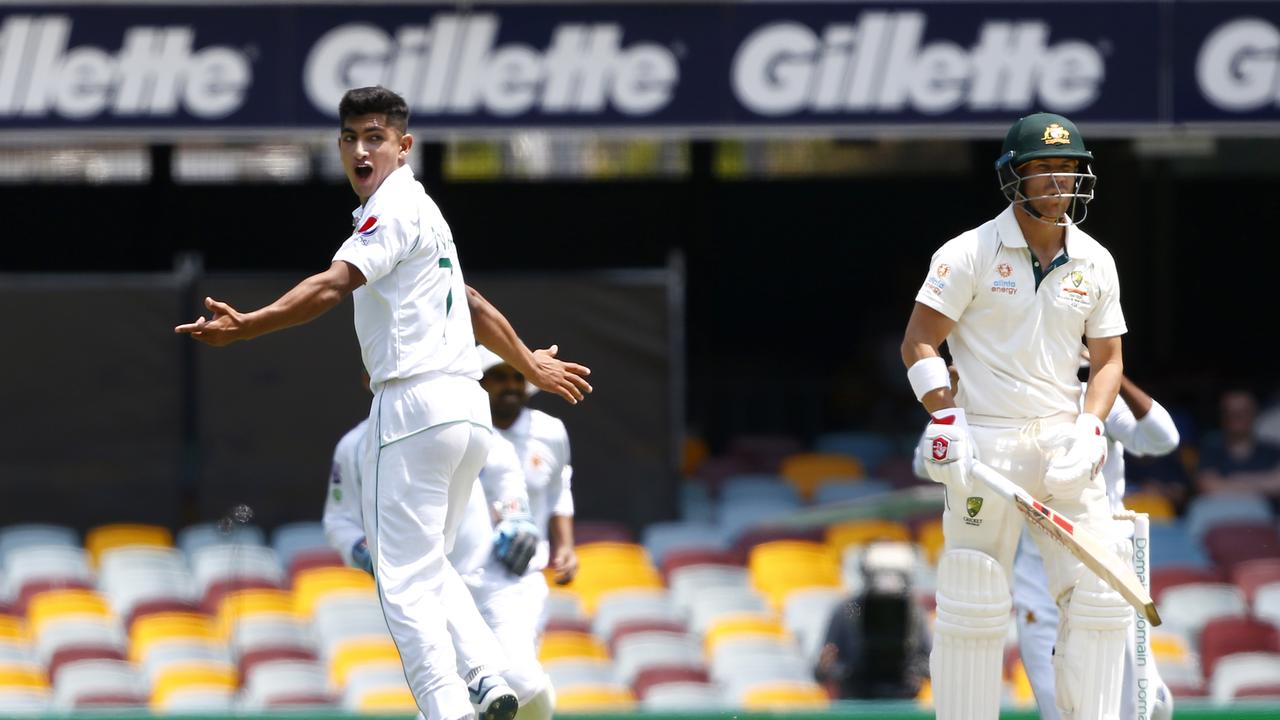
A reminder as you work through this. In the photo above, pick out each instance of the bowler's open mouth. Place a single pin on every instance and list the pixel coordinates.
(363, 172)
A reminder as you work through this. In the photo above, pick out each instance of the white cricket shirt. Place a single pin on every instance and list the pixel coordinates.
(343, 516)
(1018, 347)
(411, 315)
(542, 444)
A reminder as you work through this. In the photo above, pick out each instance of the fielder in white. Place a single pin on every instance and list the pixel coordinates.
(1012, 299)
(429, 423)
(1140, 425)
(542, 444)
(501, 584)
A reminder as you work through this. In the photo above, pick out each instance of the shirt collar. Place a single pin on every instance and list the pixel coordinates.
(520, 428)
(398, 178)
(1010, 235)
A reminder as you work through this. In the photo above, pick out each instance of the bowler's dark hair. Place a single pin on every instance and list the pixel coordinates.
(376, 99)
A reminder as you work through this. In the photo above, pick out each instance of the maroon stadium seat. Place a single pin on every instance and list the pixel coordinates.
(589, 531)
(763, 453)
(676, 559)
(714, 471)
(73, 653)
(110, 700)
(159, 605)
(758, 536)
(651, 677)
(1166, 577)
(1230, 545)
(257, 657)
(314, 558)
(1270, 691)
(1224, 636)
(213, 596)
(35, 587)
(632, 627)
(1253, 574)
(569, 625)
(294, 702)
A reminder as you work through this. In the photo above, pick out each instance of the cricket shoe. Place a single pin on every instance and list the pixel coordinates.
(494, 699)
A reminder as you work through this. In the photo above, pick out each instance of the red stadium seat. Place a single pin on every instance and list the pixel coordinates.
(676, 559)
(297, 701)
(151, 607)
(314, 558)
(1228, 635)
(568, 625)
(110, 700)
(624, 629)
(1230, 545)
(653, 676)
(591, 531)
(256, 657)
(1171, 575)
(74, 653)
(1253, 574)
(213, 596)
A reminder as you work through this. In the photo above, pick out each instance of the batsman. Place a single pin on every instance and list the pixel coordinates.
(1012, 299)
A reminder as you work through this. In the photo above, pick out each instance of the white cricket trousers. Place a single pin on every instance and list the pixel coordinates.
(415, 493)
(513, 608)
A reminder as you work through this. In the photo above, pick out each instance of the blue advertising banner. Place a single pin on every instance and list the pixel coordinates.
(695, 67)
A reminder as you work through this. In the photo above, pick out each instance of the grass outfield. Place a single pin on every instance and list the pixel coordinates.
(1186, 710)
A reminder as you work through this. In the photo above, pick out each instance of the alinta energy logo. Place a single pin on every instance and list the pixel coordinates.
(154, 72)
(456, 66)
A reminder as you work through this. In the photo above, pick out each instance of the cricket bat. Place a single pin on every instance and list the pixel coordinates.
(1081, 543)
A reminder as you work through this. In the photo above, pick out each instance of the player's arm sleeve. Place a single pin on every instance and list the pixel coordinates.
(502, 479)
(376, 251)
(949, 287)
(1107, 319)
(1153, 434)
(343, 525)
(560, 487)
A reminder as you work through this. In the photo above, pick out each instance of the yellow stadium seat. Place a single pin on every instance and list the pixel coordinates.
(608, 566)
(1170, 648)
(397, 701)
(59, 603)
(861, 532)
(696, 452)
(311, 585)
(12, 628)
(785, 696)
(160, 627)
(359, 652)
(191, 675)
(924, 696)
(1023, 695)
(1158, 507)
(22, 675)
(240, 604)
(738, 624)
(777, 568)
(580, 698)
(105, 537)
(930, 538)
(805, 471)
(612, 553)
(564, 644)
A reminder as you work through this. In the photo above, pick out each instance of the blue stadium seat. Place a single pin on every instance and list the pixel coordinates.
(292, 538)
(869, 447)
(1172, 544)
(739, 488)
(830, 492)
(735, 517)
(660, 538)
(1206, 511)
(15, 537)
(695, 503)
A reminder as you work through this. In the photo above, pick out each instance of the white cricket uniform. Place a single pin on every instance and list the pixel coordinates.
(430, 432)
(1016, 346)
(498, 594)
(1035, 610)
(542, 443)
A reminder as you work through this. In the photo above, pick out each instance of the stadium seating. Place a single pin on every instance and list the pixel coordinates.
(106, 537)
(1207, 511)
(870, 448)
(834, 490)
(1230, 545)
(1187, 608)
(806, 471)
(1236, 672)
(1226, 636)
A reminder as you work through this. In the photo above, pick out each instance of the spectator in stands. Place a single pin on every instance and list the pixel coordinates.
(1235, 459)
(877, 643)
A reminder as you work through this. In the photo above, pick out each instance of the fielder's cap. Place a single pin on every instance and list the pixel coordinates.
(1042, 135)
(489, 360)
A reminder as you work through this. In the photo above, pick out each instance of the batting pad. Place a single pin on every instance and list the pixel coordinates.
(969, 634)
(1091, 658)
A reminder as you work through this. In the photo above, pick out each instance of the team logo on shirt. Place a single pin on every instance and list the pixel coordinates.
(944, 271)
(973, 506)
(367, 229)
(1005, 269)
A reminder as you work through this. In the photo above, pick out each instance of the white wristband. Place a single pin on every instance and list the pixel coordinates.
(928, 374)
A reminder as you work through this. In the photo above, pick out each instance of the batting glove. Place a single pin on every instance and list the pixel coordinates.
(360, 556)
(1075, 466)
(947, 449)
(515, 540)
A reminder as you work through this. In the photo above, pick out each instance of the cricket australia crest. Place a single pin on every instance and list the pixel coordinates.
(973, 506)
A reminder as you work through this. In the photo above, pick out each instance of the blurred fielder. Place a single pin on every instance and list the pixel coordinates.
(1012, 299)
(429, 423)
(500, 583)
